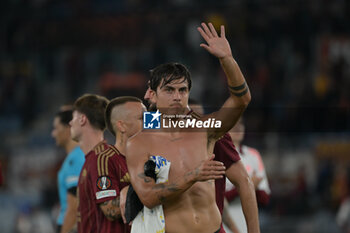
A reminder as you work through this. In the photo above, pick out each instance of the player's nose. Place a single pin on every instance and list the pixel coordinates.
(147, 95)
(177, 95)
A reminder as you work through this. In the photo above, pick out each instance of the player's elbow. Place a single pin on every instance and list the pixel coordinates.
(241, 102)
(245, 100)
(150, 205)
(150, 202)
(150, 199)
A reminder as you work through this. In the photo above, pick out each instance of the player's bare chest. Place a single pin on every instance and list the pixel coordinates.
(183, 151)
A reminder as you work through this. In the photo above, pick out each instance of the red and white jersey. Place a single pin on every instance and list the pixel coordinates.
(252, 161)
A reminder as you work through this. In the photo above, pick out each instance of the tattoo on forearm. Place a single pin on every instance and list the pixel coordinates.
(173, 188)
(145, 178)
(159, 186)
(116, 202)
(168, 187)
(105, 203)
(112, 211)
(239, 91)
(161, 198)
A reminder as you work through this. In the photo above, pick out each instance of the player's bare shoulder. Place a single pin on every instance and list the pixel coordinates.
(139, 141)
(142, 136)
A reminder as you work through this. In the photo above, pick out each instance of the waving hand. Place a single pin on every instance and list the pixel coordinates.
(216, 45)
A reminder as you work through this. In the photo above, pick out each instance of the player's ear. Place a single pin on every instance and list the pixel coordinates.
(120, 126)
(83, 119)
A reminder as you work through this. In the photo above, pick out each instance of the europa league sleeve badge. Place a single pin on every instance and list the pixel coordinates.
(103, 183)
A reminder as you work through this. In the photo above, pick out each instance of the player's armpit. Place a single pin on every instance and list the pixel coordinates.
(111, 209)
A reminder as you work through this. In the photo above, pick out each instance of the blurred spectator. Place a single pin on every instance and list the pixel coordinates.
(74, 75)
(340, 186)
(113, 85)
(343, 213)
(298, 196)
(254, 165)
(33, 220)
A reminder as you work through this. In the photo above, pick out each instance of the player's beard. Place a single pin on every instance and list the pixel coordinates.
(152, 107)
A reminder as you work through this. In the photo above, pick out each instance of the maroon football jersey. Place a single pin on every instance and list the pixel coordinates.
(226, 153)
(102, 177)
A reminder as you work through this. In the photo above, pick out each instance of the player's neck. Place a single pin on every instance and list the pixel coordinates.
(90, 139)
(120, 142)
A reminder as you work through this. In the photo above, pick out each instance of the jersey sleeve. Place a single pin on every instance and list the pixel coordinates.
(262, 197)
(75, 163)
(231, 194)
(106, 178)
(225, 151)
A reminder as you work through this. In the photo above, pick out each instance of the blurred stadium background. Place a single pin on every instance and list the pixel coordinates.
(295, 56)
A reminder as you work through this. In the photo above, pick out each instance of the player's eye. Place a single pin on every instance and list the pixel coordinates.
(168, 90)
(183, 90)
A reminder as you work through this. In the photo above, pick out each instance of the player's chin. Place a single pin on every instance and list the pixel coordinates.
(152, 108)
(177, 110)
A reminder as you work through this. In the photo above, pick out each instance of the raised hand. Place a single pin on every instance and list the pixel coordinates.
(216, 45)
